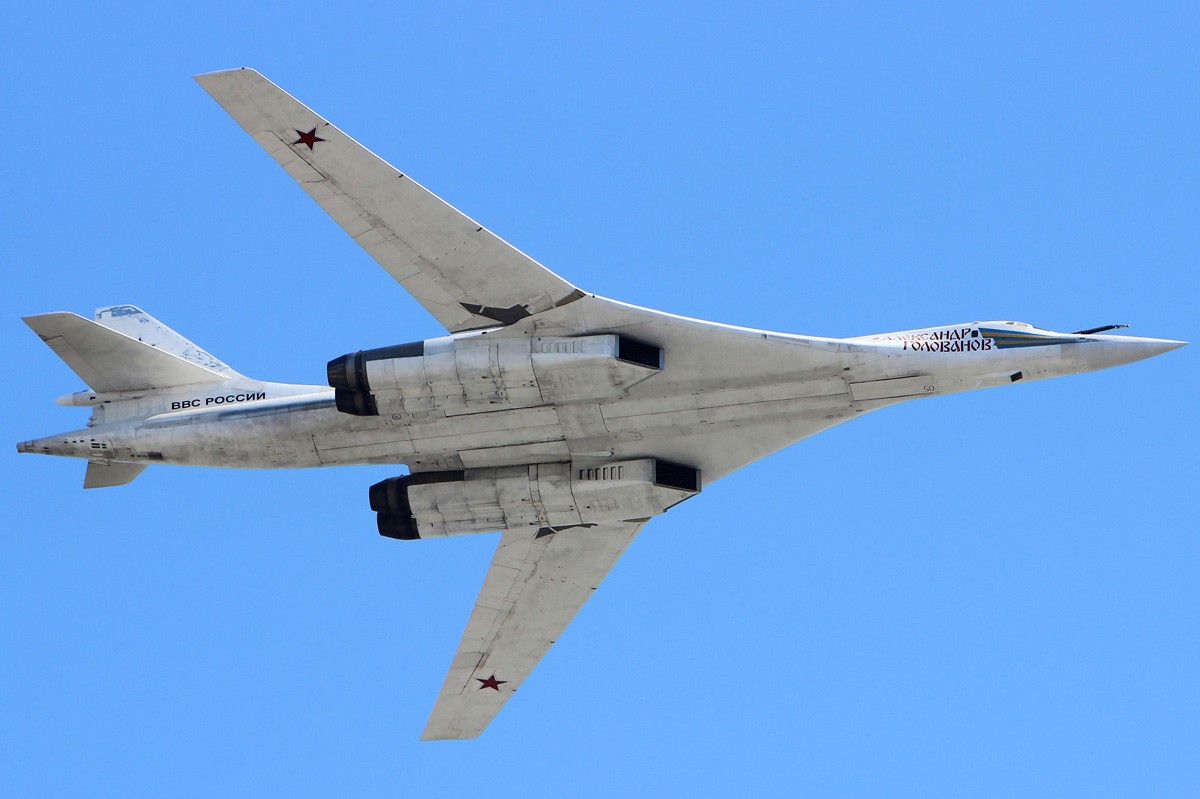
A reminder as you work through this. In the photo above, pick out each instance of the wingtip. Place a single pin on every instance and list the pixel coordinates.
(202, 76)
(33, 320)
(448, 737)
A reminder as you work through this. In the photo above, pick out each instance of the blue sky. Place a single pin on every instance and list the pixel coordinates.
(991, 594)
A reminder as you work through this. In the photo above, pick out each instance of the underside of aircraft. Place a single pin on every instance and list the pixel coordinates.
(561, 419)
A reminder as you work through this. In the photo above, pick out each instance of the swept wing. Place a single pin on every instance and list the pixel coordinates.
(463, 274)
(536, 584)
(468, 278)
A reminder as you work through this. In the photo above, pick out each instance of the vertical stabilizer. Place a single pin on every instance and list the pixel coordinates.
(109, 360)
(136, 323)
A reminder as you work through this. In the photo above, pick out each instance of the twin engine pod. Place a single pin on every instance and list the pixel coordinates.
(481, 373)
(547, 495)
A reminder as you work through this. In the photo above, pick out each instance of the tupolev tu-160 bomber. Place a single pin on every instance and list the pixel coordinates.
(563, 420)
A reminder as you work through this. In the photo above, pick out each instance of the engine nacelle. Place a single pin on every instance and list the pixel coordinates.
(468, 375)
(547, 495)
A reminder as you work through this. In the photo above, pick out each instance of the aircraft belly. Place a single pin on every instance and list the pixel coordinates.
(707, 424)
(280, 441)
(368, 446)
(893, 388)
(431, 442)
(722, 439)
(717, 430)
(515, 455)
(704, 423)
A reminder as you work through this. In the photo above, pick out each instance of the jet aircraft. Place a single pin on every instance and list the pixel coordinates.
(563, 420)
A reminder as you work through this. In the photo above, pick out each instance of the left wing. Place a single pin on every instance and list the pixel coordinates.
(463, 274)
(536, 584)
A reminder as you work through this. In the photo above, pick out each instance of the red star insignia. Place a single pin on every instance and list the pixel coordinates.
(309, 138)
(491, 682)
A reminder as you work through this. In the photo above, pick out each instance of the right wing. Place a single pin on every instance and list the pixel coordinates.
(536, 584)
(463, 274)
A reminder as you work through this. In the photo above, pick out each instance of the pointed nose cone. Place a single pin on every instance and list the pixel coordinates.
(1118, 350)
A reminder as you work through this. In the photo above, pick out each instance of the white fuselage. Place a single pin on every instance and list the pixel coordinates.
(715, 406)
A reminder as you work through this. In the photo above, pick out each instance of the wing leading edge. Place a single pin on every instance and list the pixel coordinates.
(536, 584)
(463, 274)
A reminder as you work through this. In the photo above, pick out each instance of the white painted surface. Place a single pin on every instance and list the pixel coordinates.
(520, 411)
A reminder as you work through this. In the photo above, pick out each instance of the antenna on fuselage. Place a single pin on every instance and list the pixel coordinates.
(1101, 329)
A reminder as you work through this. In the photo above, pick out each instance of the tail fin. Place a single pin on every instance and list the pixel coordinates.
(126, 350)
(136, 323)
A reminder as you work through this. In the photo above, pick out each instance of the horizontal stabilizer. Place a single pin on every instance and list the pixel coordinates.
(109, 361)
(104, 474)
